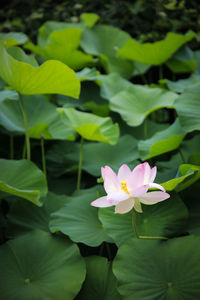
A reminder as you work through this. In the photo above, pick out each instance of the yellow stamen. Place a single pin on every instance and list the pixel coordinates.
(124, 186)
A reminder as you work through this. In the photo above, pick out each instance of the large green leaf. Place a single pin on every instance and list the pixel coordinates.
(183, 61)
(89, 19)
(100, 282)
(159, 270)
(91, 127)
(186, 176)
(63, 45)
(23, 179)
(8, 94)
(40, 266)
(162, 219)
(48, 27)
(136, 102)
(154, 53)
(65, 155)
(162, 142)
(50, 77)
(43, 117)
(188, 108)
(79, 220)
(180, 85)
(109, 88)
(24, 215)
(103, 41)
(13, 38)
(19, 54)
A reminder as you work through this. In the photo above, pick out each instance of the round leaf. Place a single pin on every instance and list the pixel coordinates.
(165, 219)
(23, 179)
(40, 266)
(51, 77)
(79, 220)
(159, 270)
(100, 282)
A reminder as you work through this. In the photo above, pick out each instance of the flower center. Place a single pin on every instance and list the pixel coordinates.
(123, 184)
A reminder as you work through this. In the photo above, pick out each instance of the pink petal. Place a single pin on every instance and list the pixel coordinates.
(124, 172)
(136, 178)
(124, 206)
(147, 172)
(101, 202)
(111, 182)
(153, 174)
(157, 186)
(117, 197)
(140, 191)
(153, 197)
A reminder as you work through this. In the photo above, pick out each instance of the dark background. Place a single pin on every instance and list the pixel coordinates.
(146, 20)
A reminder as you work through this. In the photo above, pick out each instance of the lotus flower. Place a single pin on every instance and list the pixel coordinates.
(128, 189)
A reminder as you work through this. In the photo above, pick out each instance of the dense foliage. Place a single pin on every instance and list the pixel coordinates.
(84, 96)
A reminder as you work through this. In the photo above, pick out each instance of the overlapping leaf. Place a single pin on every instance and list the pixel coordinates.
(38, 265)
(23, 179)
(159, 270)
(163, 219)
(162, 142)
(100, 282)
(79, 220)
(51, 77)
(154, 53)
(188, 108)
(136, 102)
(91, 127)
(43, 117)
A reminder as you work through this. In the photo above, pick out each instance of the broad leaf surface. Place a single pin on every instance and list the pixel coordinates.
(154, 53)
(65, 155)
(103, 41)
(162, 142)
(188, 108)
(79, 220)
(13, 38)
(159, 270)
(136, 102)
(165, 219)
(25, 216)
(51, 77)
(183, 61)
(40, 266)
(180, 85)
(23, 179)
(43, 118)
(63, 45)
(90, 126)
(100, 282)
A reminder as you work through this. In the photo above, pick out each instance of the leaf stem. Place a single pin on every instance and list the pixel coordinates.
(153, 237)
(80, 164)
(145, 129)
(43, 155)
(134, 224)
(28, 147)
(161, 72)
(11, 146)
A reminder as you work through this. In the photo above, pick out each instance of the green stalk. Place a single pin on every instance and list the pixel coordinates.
(144, 236)
(161, 72)
(80, 164)
(145, 129)
(153, 237)
(24, 150)
(11, 146)
(28, 147)
(134, 224)
(43, 155)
